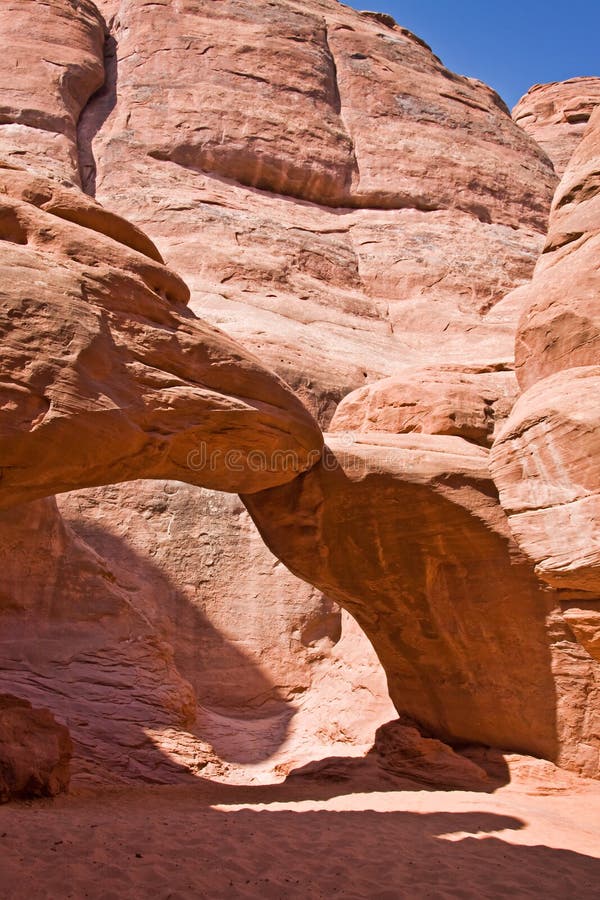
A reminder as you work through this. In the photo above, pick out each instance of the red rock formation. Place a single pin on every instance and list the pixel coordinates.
(333, 195)
(35, 751)
(452, 401)
(275, 237)
(406, 531)
(278, 674)
(51, 64)
(153, 636)
(559, 326)
(109, 377)
(545, 460)
(73, 640)
(556, 115)
(95, 384)
(352, 211)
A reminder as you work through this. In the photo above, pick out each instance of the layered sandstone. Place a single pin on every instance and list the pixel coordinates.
(393, 212)
(407, 533)
(151, 633)
(352, 211)
(51, 64)
(72, 641)
(110, 377)
(277, 672)
(446, 400)
(545, 459)
(333, 195)
(556, 115)
(559, 325)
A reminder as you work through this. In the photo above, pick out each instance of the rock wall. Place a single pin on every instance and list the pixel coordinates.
(556, 115)
(106, 364)
(545, 458)
(52, 62)
(159, 677)
(406, 531)
(332, 194)
(366, 224)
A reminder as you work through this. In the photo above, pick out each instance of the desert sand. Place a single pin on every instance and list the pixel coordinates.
(355, 833)
(276, 249)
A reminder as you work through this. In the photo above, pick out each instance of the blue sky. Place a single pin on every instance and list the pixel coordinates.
(510, 45)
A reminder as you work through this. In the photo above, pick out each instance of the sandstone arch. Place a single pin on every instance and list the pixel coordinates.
(336, 268)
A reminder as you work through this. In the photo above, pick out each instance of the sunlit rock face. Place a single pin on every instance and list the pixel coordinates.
(556, 115)
(199, 200)
(333, 195)
(109, 376)
(545, 460)
(450, 400)
(52, 62)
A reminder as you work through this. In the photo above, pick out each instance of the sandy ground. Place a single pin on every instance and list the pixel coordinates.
(362, 834)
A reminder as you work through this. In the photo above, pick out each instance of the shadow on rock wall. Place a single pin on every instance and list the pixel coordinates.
(78, 638)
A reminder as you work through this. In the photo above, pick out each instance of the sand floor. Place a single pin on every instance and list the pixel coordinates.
(361, 836)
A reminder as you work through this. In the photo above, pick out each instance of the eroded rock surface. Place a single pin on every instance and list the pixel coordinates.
(333, 195)
(406, 531)
(352, 211)
(560, 323)
(280, 674)
(52, 62)
(450, 400)
(556, 115)
(35, 751)
(138, 621)
(402, 750)
(545, 460)
(73, 641)
(108, 375)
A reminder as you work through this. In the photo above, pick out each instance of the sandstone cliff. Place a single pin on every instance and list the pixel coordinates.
(556, 115)
(545, 460)
(222, 224)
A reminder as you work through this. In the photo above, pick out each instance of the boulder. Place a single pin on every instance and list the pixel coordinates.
(35, 751)
(445, 400)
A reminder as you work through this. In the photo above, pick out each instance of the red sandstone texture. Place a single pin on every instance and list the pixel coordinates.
(122, 374)
(545, 460)
(441, 400)
(556, 115)
(412, 522)
(35, 751)
(365, 223)
(334, 196)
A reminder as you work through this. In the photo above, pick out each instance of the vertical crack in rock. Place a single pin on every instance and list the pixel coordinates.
(94, 115)
(337, 99)
(338, 107)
